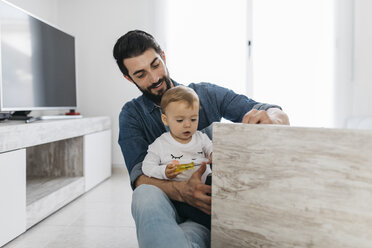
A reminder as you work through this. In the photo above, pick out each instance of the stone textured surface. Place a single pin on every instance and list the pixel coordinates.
(280, 186)
(60, 158)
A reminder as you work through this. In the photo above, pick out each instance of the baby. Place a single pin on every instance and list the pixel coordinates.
(182, 145)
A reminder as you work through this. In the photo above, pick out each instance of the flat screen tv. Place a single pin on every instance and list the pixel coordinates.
(37, 63)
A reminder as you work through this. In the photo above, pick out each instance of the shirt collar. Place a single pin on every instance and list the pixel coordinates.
(150, 105)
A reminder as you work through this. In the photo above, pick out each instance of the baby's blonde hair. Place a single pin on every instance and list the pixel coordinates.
(177, 94)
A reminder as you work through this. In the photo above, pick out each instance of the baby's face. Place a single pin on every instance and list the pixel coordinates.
(182, 120)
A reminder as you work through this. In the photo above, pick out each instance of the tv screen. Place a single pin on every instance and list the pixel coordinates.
(37, 63)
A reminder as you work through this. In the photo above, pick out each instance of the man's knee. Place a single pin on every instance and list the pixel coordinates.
(145, 194)
(149, 199)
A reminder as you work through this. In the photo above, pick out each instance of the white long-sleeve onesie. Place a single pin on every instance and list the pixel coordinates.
(166, 149)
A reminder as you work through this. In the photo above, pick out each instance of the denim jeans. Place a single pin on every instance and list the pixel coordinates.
(159, 225)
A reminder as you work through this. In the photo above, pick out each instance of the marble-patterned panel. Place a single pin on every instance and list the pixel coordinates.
(60, 158)
(280, 186)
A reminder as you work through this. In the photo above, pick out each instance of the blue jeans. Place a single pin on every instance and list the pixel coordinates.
(159, 225)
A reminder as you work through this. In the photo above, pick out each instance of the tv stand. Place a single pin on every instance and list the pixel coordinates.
(21, 116)
(45, 165)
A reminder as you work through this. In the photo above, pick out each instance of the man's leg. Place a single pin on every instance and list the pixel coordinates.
(194, 214)
(157, 222)
(195, 232)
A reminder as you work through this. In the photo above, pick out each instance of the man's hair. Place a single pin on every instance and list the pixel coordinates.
(177, 94)
(132, 44)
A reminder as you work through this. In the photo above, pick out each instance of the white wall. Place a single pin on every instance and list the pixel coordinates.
(362, 85)
(353, 76)
(293, 58)
(352, 72)
(212, 49)
(102, 90)
(43, 9)
(344, 61)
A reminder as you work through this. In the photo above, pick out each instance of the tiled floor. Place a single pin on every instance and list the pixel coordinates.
(100, 218)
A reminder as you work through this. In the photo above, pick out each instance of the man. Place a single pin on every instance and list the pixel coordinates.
(142, 62)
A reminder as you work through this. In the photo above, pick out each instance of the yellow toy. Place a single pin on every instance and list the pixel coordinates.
(183, 167)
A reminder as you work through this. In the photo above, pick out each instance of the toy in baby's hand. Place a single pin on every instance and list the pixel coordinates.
(183, 167)
(175, 168)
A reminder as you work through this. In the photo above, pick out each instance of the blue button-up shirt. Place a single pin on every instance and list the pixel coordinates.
(140, 120)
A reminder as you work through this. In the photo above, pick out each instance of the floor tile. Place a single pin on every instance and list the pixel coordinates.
(99, 218)
(96, 237)
(37, 237)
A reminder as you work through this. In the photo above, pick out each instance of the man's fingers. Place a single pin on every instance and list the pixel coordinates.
(206, 199)
(195, 192)
(204, 204)
(249, 117)
(205, 208)
(199, 172)
(205, 189)
(257, 117)
(266, 121)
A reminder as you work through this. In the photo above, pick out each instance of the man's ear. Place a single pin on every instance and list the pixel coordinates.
(128, 78)
(164, 119)
(163, 56)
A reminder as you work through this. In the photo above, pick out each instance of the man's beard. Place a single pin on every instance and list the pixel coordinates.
(156, 98)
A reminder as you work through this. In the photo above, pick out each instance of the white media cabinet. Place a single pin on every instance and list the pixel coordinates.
(45, 165)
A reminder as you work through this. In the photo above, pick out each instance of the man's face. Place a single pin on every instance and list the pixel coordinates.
(149, 73)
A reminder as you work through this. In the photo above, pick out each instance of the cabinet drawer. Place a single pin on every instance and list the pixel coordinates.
(97, 158)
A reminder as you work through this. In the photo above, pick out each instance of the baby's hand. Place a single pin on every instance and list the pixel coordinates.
(170, 170)
(209, 161)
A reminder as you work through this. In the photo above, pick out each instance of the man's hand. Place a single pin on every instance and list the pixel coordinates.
(194, 192)
(270, 116)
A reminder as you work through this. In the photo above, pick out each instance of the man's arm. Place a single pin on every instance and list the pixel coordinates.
(167, 186)
(193, 191)
(218, 102)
